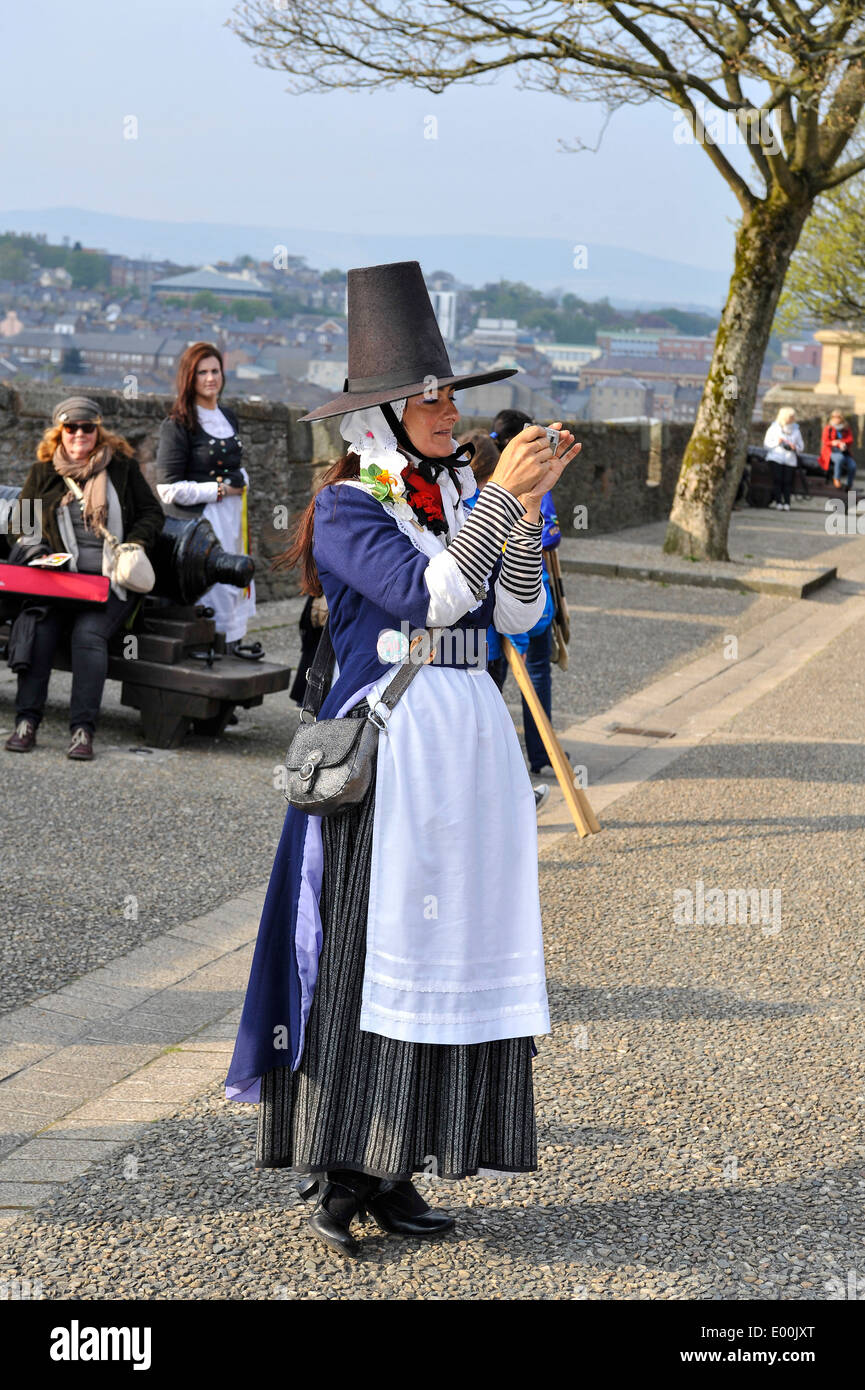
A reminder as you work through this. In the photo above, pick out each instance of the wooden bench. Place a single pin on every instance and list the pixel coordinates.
(818, 482)
(174, 692)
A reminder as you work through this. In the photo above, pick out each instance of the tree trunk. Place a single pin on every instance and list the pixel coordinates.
(715, 456)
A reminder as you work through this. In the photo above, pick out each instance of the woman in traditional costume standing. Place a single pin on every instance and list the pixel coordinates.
(398, 977)
(200, 472)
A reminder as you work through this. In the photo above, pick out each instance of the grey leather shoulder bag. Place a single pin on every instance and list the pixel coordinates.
(330, 762)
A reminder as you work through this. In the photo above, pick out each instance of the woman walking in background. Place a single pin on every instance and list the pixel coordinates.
(200, 472)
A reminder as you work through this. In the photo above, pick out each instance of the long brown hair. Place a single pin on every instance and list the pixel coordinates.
(184, 403)
(50, 441)
(486, 455)
(299, 550)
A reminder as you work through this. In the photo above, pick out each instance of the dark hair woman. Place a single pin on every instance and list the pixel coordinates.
(485, 457)
(200, 472)
(398, 975)
(506, 424)
(117, 496)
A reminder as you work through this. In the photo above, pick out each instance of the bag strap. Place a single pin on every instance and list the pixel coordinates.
(319, 673)
(78, 494)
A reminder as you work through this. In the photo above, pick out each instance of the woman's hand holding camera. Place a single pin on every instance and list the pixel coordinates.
(528, 468)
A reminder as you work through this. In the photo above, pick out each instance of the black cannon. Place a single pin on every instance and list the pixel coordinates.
(173, 689)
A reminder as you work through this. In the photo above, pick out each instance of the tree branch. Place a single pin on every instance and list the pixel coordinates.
(842, 174)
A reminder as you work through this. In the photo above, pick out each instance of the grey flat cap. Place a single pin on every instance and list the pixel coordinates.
(76, 408)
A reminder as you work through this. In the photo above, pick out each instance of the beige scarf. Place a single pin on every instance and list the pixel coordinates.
(91, 477)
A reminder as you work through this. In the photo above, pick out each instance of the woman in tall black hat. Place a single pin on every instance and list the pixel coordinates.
(398, 978)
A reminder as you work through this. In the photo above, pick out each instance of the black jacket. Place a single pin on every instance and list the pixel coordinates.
(193, 455)
(143, 518)
(19, 655)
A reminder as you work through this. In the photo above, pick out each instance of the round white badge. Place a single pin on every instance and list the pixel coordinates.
(391, 646)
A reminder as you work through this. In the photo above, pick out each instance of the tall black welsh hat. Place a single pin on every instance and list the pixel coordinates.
(394, 342)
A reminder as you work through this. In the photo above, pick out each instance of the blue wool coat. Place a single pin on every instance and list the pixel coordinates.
(373, 579)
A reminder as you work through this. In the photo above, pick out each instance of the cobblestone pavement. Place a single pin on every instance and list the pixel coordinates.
(699, 1099)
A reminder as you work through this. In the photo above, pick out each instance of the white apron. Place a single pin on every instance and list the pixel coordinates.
(232, 608)
(454, 949)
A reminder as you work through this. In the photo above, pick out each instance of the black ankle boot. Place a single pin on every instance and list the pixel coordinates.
(399, 1208)
(341, 1197)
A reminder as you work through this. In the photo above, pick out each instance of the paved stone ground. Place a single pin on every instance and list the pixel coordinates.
(699, 1100)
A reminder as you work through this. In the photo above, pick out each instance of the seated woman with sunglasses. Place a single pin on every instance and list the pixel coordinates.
(117, 496)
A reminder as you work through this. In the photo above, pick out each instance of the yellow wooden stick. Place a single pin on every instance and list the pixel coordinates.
(581, 811)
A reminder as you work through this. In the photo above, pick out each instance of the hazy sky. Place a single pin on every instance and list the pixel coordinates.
(219, 140)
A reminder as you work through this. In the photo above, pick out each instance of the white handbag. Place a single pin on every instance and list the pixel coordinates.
(130, 567)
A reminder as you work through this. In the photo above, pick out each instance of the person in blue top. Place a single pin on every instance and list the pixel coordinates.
(536, 644)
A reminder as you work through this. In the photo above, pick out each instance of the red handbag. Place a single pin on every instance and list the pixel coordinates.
(54, 584)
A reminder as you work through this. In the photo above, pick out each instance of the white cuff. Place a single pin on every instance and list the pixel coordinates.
(511, 615)
(451, 595)
(187, 493)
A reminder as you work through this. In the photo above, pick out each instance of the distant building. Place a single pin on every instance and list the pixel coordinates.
(226, 284)
(521, 392)
(651, 368)
(654, 342)
(615, 397)
(444, 304)
(328, 373)
(632, 342)
(288, 361)
(55, 277)
(318, 333)
(496, 333)
(149, 351)
(802, 354)
(841, 382)
(789, 371)
(250, 371)
(686, 403)
(693, 348)
(126, 271)
(568, 358)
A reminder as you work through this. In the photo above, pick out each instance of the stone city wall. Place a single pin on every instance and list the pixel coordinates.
(625, 475)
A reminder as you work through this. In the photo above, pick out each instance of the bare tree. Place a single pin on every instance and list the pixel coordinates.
(773, 90)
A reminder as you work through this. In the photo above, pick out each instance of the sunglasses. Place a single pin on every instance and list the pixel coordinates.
(85, 427)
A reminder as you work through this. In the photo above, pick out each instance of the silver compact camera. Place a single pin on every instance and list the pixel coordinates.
(554, 436)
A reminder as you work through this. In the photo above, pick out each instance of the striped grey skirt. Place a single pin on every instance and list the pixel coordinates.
(378, 1105)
